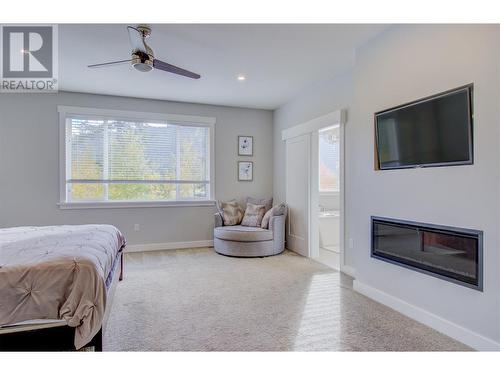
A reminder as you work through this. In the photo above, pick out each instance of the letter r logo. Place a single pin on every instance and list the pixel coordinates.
(20, 52)
(27, 51)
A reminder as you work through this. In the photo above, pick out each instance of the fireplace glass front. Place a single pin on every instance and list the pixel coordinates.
(454, 254)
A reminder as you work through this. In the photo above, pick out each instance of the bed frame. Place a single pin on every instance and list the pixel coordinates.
(56, 335)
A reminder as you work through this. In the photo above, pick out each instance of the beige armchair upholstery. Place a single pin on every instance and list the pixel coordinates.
(242, 241)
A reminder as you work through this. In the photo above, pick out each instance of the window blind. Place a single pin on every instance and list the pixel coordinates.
(122, 160)
(329, 158)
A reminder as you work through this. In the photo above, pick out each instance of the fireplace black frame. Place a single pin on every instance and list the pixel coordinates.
(434, 228)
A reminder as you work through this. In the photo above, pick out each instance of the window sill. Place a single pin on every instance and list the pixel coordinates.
(328, 192)
(134, 204)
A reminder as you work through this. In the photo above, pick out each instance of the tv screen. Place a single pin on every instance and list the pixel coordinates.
(435, 131)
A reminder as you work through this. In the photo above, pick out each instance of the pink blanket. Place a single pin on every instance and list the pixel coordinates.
(57, 272)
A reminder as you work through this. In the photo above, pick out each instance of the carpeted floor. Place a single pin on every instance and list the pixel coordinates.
(196, 300)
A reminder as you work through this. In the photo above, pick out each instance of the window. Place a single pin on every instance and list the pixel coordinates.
(122, 157)
(329, 160)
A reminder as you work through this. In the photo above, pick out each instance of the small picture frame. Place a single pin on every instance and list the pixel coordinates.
(245, 171)
(245, 145)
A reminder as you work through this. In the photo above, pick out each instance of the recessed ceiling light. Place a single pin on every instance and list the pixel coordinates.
(241, 77)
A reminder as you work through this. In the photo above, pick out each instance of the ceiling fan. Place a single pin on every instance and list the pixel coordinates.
(143, 58)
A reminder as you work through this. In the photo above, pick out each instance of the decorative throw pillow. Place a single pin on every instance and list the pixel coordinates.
(230, 211)
(253, 215)
(278, 210)
(265, 220)
(268, 203)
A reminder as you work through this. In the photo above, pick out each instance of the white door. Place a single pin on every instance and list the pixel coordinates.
(298, 153)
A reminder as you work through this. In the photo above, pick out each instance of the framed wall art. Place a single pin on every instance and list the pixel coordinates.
(245, 145)
(245, 171)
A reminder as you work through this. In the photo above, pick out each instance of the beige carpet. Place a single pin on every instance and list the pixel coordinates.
(196, 300)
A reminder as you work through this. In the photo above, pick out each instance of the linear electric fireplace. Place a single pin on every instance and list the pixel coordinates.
(453, 254)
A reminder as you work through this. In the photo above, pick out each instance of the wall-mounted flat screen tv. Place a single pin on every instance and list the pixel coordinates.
(435, 131)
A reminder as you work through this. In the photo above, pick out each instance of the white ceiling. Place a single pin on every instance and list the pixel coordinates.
(278, 60)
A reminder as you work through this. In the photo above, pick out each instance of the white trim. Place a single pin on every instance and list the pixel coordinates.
(348, 270)
(462, 334)
(133, 204)
(314, 196)
(198, 120)
(330, 119)
(326, 193)
(168, 246)
(343, 267)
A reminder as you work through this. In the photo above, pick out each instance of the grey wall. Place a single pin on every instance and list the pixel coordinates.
(404, 64)
(29, 166)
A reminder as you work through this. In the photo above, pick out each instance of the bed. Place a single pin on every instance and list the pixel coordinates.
(57, 284)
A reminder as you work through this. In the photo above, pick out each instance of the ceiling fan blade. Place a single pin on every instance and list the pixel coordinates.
(136, 39)
(111, 63)
(158, 64)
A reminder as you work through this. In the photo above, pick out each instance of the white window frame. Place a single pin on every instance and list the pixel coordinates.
(200, 121)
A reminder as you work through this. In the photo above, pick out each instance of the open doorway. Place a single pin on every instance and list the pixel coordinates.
(329, 196)
(314, 180)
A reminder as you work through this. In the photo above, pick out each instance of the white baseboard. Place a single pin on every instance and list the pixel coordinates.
(348, 270)
(168, 246)
(464, 335)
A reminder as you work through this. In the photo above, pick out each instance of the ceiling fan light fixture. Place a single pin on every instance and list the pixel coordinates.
(142, 64)
(143, 58)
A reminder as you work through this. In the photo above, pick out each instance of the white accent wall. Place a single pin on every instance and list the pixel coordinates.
(29, 167)
(405, 63)
(401, 65)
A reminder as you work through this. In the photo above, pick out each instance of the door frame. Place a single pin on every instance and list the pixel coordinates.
(313, 127)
